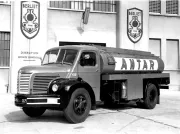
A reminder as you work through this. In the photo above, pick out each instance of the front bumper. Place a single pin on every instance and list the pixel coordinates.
(48, 101)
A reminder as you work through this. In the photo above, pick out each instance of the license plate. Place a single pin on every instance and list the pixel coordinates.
(52, 100)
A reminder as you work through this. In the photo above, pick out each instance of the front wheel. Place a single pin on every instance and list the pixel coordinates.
(33, 112)
(79, 106)
(151, 96)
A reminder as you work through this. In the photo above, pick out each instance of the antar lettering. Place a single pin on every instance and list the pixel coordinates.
(131, 64)
(145, 65)
(139, 61)
(136, 64)
(151, 65)
(124, 65)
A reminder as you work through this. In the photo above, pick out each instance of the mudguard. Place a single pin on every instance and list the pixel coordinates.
(67, 86)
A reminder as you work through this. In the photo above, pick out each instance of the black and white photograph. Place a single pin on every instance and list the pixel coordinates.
(90, 67)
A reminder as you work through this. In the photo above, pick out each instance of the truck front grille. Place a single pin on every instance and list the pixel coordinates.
(23, 82)
(40, 83)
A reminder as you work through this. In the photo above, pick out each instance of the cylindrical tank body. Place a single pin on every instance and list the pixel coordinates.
(116, 60)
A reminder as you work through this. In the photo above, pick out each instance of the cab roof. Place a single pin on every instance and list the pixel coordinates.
(79, 47)
(106, 49)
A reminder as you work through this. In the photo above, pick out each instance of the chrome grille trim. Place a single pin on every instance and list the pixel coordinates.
(23, 82)
(41, 82)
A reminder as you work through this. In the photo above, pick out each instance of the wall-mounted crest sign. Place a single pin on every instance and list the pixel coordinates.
(30, 18)
(134, 24)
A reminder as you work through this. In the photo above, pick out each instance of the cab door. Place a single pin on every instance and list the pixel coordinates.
(89, 70)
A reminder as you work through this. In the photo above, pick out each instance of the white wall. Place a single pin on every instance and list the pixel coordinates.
(174, 79)
(21, 44)
(5, 11)
(4, 77)
(166, 27)
(55, 26)
(63, 26)
(124, 41)
(161, 26)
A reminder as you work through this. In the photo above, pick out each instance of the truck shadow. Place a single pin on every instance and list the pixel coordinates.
(104, 109)
(58, 117)
(48, 116)
(124, 106)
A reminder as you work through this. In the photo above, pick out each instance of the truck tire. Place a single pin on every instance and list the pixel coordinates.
(79, 106)
(151, 96)
(33, 112)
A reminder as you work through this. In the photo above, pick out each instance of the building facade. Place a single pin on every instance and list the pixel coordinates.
(149, 25)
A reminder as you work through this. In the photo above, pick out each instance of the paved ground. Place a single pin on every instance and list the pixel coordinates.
(128, 119)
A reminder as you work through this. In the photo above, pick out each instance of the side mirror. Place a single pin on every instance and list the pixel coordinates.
(40, 59)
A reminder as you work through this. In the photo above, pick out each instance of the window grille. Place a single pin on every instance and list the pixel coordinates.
(155, 6)
(4, 49)
(60, 4)
(5, 2)
(106, 6)
(103, 6)
(172, 6)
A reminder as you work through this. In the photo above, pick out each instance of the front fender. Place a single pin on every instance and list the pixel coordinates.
(68, 86)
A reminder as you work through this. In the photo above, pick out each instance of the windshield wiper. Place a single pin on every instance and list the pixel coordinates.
(50, 63)
(67, 63)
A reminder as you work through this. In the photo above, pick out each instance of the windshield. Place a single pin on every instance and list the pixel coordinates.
(66, 56)
(51, 56)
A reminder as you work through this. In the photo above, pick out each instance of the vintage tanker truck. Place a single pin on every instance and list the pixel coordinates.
(74, 78)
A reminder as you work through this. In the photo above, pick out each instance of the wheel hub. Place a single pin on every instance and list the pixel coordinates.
(80, 104)
(152, 96)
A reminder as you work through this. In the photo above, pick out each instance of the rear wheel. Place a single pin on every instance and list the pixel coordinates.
(79, 106)
(33, 112)
(151, 96)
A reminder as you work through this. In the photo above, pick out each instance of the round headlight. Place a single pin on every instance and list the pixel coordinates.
(55, 88)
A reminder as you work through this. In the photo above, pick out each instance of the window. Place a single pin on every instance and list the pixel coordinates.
(155, 47)
(172, 6)
(88, 59)
(4, 49)
(172, 55)
(104, 6)
(155, 6)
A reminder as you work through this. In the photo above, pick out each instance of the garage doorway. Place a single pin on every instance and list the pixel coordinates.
(61, 43)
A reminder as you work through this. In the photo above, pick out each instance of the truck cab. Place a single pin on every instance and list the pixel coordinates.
(51, 85)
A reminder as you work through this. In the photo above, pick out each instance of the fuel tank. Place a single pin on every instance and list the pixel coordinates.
(117, 60)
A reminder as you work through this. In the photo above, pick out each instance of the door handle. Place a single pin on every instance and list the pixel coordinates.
(97, 70)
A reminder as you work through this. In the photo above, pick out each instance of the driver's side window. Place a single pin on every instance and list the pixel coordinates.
(88, 59)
